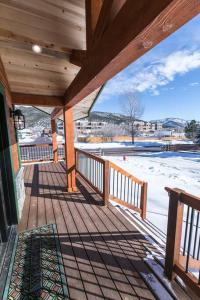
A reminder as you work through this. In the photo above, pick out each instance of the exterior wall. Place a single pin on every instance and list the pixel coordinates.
(4, 82)
(17, 201)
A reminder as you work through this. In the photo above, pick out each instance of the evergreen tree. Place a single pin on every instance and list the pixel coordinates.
(197, 140)
(191, 129)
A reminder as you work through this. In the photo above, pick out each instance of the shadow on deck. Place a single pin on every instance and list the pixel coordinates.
(103, 253)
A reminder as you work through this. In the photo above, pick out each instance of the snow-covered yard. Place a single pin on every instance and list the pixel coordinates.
(172, 169)
(141, 143)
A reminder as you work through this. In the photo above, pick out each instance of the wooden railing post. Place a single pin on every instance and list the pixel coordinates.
(69, 149)
(174, 230)
(106, 181)
(143, 200)
(54, 140)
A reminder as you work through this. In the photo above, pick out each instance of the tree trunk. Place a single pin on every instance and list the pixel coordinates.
(132, 133)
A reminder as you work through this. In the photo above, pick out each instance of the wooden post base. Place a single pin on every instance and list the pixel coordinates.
(72, 189)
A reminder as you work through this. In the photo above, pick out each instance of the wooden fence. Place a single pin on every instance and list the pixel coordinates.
(183, 238)
(112, 182)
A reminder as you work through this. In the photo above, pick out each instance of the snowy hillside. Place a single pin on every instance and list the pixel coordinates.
(35, 119)
(172, 122)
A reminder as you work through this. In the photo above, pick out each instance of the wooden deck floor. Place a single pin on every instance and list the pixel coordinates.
(102, 251)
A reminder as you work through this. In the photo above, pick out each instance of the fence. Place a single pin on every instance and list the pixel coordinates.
(112, 182)
(181, 147)
(40, 152)
(183, 238)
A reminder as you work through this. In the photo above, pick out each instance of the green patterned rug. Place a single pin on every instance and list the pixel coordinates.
(36, 269)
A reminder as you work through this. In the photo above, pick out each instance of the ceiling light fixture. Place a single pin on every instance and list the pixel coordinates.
(37, 49)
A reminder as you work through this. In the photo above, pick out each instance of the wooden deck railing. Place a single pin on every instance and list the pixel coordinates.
(183, 238)
(127, 190)
(112, 182)
(40, 152)
(95, 170)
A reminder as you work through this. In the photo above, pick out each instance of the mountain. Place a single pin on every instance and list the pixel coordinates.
(100, 116)
(171, 122)
(35, 118)
(38, 119)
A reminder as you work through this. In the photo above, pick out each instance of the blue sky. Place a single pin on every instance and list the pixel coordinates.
(166, 79)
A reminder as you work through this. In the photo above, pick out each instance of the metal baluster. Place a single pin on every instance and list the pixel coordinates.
(128, 190)
(186, 230)
(131, 191)
(113, 182)
(117, 184)
(121, 185)
(125, 188)
(98, 175)
(137, 194)
(134, 194)
(195, 237)
(189, 241)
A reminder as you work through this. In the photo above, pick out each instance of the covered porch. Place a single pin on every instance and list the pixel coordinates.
(104, 255)
(57, 55)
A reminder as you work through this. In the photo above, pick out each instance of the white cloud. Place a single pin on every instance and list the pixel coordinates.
(194, 83)
(155, 75)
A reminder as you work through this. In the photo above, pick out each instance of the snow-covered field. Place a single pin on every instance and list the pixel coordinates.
(141, 143)
(171, 169)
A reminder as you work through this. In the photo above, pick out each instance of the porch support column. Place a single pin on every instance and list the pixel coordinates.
(54, 140)
(69, 149)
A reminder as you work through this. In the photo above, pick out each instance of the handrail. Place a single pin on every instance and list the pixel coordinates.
(117, 168)
(100, 174)
(183, 238)
(39, 145)
(95, 157)
(186, 198)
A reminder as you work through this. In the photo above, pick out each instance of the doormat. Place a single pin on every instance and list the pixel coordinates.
(36, 269)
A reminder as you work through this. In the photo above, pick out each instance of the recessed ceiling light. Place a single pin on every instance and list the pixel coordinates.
(37, 49)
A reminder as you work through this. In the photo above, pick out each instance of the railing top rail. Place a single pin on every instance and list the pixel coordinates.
(35, 145)
(125, 173)
(95, 157)
(39, 145)
(185, 197)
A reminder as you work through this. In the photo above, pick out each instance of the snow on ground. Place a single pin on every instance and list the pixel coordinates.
(141, 143)
(171, 169)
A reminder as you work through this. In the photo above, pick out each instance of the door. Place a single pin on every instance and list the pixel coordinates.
(3, 218)
(8, 212)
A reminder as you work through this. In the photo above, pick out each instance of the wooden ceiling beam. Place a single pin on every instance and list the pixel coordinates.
(138, 27)
(37, 100)
(78, 57)
(56, 113)
(109, 11)
(92, 10)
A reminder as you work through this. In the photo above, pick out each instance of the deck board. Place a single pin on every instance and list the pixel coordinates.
(102, 252)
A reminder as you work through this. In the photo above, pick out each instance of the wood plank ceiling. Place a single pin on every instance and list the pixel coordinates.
(56, 25)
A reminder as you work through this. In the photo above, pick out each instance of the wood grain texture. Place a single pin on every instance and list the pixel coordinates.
(36, 100)
(69, 149)
(126, 38)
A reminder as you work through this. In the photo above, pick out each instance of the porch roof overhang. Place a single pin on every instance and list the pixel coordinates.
(84, 44)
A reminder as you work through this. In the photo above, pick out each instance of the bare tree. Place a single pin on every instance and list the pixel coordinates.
(133, 109)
